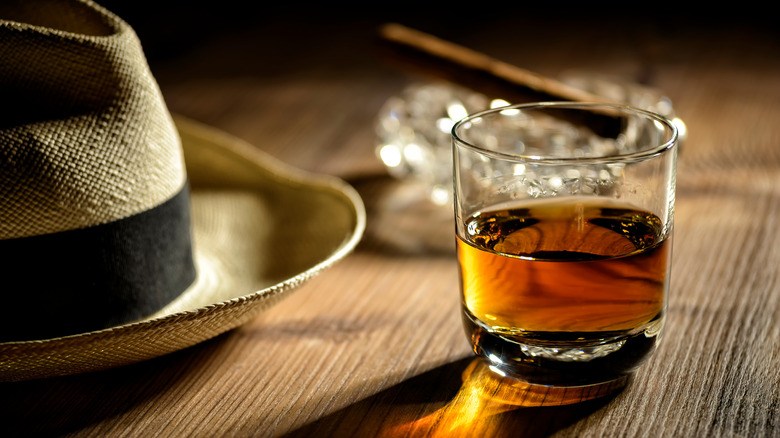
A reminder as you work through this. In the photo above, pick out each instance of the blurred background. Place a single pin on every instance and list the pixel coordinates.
(305, 82)
(226, 62)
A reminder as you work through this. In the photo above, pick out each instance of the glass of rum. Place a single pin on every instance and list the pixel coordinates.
(564, 216)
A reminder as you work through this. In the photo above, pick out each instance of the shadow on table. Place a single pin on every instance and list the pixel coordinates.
(66, 405)
(462, 398)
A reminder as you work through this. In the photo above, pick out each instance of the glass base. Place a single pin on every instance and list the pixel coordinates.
(498, 386)
(564, 362)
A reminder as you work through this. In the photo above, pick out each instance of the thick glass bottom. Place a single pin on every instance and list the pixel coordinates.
(501, 390)
(563, 359)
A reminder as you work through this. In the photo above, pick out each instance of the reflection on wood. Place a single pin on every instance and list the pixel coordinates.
(464, 399)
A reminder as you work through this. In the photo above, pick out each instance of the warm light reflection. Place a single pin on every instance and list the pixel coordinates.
(456, 111)
(390, 155)
(682, 130)
(497, 370)
(498, 103)
(445, 124)
(484, 394)
(440, 195)
(413, 153)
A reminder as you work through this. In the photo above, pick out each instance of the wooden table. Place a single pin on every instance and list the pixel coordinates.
(374, 346)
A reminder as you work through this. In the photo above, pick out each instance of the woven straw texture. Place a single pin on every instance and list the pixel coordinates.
(85, 137)
(88, 140)
(261, 229)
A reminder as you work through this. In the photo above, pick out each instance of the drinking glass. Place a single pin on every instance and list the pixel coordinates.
(564, 217)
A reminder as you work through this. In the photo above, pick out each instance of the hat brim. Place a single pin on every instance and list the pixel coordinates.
(260, 229)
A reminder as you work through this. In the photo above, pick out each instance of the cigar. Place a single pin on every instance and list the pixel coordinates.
(437, 59)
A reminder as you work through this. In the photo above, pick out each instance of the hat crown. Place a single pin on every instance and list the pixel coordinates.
(85, 137)
(94, 206)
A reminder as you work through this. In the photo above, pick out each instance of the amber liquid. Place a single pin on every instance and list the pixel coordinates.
(569, 290)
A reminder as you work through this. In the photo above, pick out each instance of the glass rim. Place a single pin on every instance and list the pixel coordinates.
(615, 158)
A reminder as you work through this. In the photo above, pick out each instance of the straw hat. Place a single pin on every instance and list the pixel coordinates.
(112, 250)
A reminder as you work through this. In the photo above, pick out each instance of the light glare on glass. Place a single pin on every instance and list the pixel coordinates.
(456, 111)
(445, 124)
(413, 153)
(390, 155)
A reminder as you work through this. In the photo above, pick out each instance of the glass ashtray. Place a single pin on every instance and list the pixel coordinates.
(413, 128)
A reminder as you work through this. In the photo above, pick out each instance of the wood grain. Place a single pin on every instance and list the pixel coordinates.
(374, 346)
